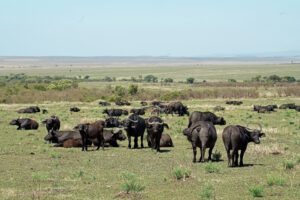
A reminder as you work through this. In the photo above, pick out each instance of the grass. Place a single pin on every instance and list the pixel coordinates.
(130, 183)
(211, 167)
(256, 190)
(288, 164)
(180, 173)
(206, 192)
(60, 168)
(276, 179)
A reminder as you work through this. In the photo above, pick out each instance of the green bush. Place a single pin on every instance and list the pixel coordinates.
(190, 80)
(275, 180)
(39, 87)
(206, 192)
(180, 173)
(256, 190)
(288, 164)
(132, 89)
(151, 78)
(168, 80)
(130, 184)
(212, 167)
(217, 156)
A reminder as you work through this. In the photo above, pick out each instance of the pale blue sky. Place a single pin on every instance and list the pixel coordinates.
(151, 28)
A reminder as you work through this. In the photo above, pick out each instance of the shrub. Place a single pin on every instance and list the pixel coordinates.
(132, 89)
(232, 80)
(180, 173)
(150, 78)
(217, 156)
(130, 184)
(120, 91)
(275, 180)
(172, 96)
(87, 77)
(212, 167)
(256, 190)
(190, 80)
(39, 87)
(288, 164)
(206, 192)
(168, 80)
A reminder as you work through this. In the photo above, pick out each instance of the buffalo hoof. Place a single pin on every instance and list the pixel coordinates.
(194, 161)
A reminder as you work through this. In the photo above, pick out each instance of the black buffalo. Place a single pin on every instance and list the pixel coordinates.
(115, 112)
(237, 138)
(143, 103)
(31, 109)
(234, 102)
(287, 106)
(134, 126)
(205, 116)
(178, 108)
(218, 108)
(74, 109)
(113, 122)
(156, 103)
(120, 103)
(203, 135)
(26, 123)
(137, 111)
(52, 122)
(263, 109)
(103, 103)
(155, 127)
(297, 108)
(165, 141)
(111, 137)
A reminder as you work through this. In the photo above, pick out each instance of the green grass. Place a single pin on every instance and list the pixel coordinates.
(206, 192)
(288, 164)
(276, 180)
(256, 190)
(59, 173)
(211, 167)
(180, 173)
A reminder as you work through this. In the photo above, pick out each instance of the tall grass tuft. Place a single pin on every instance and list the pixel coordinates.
(212, 167)
(256, 190)
(130, 184)
(206, 192)
(276, 180)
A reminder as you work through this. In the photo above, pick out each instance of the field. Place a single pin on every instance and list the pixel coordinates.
(31, 168)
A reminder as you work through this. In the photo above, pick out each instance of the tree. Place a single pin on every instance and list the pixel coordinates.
(87, 77)
(232, 80)
(190, 80)
(132, 89)
(150, 78)
(274, 78)
(120, 91)
(168, 80)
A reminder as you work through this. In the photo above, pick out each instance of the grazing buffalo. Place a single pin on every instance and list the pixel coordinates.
(137, 111)
(115, 112)
(52, 122)
(237, 138)
(74, 109)
(177, 107)
(26, 123)
(218, 108)
(45, 111)
(205, 116)
(143, 103)
(135, 127)
(158, 111)
(60, 137)
(203, 135)
(156, 103)
(120, 103)
(297, 108)
(287, 106)
(113, 122)
(234, 102)
(91, 131)
(31, 109)
(155, 127)
(165, 141)
(103, 103)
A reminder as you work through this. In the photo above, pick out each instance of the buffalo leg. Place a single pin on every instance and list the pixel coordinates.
(241, 157)
(135, 142)
(129, 141)
(228, 156)
(202, 153)
(233, 158)
(157, 143)
(236, 157)
(195, 153)
(209, 153)
(142, 141)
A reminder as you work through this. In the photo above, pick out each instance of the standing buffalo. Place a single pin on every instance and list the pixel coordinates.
(237, 138)
(115, 112)
(205, 116)
(203, 135)
(134, 126)
(155, 127)
(74, 109)
(103, 103)
(91, 131)
(137, 111)
(165, 141)
(113, 122)
(26, 123)
(177, 107)
(52, 122)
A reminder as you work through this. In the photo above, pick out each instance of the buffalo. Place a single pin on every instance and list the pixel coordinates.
(26, 123)
(113, 122)
(177, 107)
(156, 103)
(165, 141)
(287, 106)
(234, 102)
(74, 109)
(52, 122)
(31, 109)
(237, 138)
(263, 109)
(206, 116)
(115, 112)
(297, 108)
(91, 131)
(201, 134)
(219, 108)
(155, 127)
(103, 103)
(143, 103)
(158, 111)
(60, 137)
(135, 127)
(137, 111)
(45, 111)
(120, 103)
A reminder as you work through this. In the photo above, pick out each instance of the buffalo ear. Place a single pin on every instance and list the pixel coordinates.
(166, 125)
(262, 135)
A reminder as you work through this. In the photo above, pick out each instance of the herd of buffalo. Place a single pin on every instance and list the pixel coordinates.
(201, 131)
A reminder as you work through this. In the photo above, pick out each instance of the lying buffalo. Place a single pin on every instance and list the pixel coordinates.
(234, 102)
(115, 112)
(113, 122)
(205, 116)
(26, 123)
(120, 103)
(219, 108)
(91, 131)
(31, 109)
(203, 135)
(158, 111)
(263, 109)
(45, 111)
(103, 103)
(287, 106)
(297, 108)
(137, 111)
(74, 109)
(134, 126)
(178, 108)
(60, 137)
(156, 103)
(155, 127)
(165, 141)
(52, 122)
(143, 103)
(237, 138)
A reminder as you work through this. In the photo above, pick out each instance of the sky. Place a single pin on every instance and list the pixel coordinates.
(188, 28)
